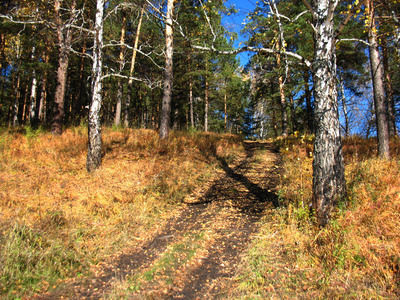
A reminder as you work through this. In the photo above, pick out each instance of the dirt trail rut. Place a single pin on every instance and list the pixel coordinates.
(195, 255)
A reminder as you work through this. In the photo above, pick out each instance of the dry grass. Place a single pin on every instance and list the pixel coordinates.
(56, 220)
(356, 257)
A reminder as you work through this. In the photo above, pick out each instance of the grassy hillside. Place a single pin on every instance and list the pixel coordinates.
(356, 257)
(56, 220)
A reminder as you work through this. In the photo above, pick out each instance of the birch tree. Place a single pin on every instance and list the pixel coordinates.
(94, 126)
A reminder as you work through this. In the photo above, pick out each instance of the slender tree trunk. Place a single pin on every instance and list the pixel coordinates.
(190, 93)
(225, 110)
(282, 102)
(43, 93)
(274, 122)
(15, 107)
(64, 41)
(118, 108)
(130, 81)
(378, 86)
(328, 168)
(42, 102)
(94, 126)
(292, 107)
(389, 91)
(79, 101)
(168, 79)
(32, 108)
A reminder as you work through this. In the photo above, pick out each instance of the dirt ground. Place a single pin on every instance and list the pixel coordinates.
(204, 240)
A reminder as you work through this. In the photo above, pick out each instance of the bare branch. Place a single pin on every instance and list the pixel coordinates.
(137, 50)
(147, 82)
(300, 58)
(209, 23)
(353, 40)
(10, 19)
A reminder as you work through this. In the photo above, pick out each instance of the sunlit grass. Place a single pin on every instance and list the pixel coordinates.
(356, 257)
(57, 220)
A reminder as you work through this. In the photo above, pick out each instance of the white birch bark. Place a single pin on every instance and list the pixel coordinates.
(94, 126)
(328, 168)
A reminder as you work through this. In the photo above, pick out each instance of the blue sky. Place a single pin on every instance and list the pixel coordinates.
(234, 22)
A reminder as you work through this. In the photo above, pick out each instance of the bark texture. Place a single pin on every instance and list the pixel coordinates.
(94, 126)
(118, 108)
(166, 102)
(379, 88)
(328, 168)
(64, 42)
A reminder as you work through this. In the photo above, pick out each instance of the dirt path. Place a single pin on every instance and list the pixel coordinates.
(194, 255)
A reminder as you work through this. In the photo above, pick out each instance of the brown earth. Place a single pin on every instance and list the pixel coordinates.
(204, 240)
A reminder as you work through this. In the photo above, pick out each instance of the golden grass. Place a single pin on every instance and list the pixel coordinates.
(51, 207)
(356, 257)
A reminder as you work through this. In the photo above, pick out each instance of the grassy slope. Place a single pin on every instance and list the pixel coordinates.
(356, 257)
(56, 220)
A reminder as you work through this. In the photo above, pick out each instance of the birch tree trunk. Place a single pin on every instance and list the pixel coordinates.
(378, 86)
(33, 98)
(94, 126)
(328, 168)
(169, 45)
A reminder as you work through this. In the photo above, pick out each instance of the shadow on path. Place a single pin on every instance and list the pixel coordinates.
(237, 201)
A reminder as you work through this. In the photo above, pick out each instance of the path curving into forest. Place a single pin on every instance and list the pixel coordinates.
(196, 253)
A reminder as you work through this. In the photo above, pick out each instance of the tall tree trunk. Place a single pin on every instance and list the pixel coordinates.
(272, 105)
(32, 108)
(378, 86)
(168, 79)
(130, 81)
(282, 98)
(33, 97)
(292, 107)
(225, 110)
(190, 93)
(43, 93)
(328, 168)
(94, 126)
(15, 106)
(118, 108)
(64, 41)
(389, 90)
